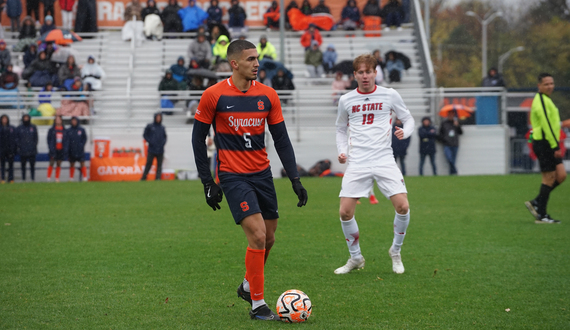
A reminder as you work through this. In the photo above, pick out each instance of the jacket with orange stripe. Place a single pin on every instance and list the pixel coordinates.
(239, 120)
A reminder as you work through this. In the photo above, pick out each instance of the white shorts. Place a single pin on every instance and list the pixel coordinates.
(357, 181)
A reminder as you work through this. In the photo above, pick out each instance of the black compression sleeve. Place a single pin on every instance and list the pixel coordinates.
(199, 134)
(284, 149)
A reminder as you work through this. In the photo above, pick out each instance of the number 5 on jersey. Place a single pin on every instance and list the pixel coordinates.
(246, 137)
(367, 119)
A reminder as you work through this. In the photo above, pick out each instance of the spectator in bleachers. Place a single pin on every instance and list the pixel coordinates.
(378, 56)
(271, 16)
(33, 7)
(55, 141)
(329, 58)
(5, 56)
(49, 48)
(170, 18)
(30, 55)
(220, 51)
(237, 15)
(339, 85)
(8, 148)
(48, 25)
(372, 8)
(68, 72)
(400, 147)
(350, 16)
(74, 147)
(14, 11)
(86, 16)
(352, 83)
(27, 36)
(153, 28)
(66, 13)
(214, 13)
(27, 138)
(155, 135)
(179, 70)
(76, 104)
(44, 96)
(306, 8)
(192, 16)
(393, 14)
(262, 77)
(292, 4)
(201, 50)
(265, 49)
(168, 83)
(312, 34)
(321, 8)
(379, 67)
(314, 60)
(281, 82)
(395, 68)
(493, 79)
(9, 80)
(133, 29)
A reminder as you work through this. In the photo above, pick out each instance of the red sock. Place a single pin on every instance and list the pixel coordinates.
(50, 169)
(84, 171)
(57, 172)
(254, 266)
(71, 172)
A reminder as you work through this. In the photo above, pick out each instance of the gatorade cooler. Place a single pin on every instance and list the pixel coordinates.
(102, 147)
(168, 175)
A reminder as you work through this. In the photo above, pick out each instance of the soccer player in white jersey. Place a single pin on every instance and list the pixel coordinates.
(367, 113)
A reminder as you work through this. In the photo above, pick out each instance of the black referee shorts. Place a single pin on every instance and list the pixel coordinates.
(545, 155)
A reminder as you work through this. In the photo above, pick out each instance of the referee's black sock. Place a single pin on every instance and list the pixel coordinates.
(542, 198)
(556, 184)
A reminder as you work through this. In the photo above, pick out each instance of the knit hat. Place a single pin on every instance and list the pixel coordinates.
(48, 18)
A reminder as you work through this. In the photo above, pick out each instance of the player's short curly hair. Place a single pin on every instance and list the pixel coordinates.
(366, 59)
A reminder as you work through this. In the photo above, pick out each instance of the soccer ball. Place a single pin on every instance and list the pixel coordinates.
(294, 306)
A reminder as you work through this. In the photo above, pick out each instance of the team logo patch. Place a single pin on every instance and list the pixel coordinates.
(78, 132)
(260, 105)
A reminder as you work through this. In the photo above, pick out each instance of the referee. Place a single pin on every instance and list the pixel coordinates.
(546, 125)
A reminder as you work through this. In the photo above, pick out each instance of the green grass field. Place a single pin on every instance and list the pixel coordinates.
(153, 255)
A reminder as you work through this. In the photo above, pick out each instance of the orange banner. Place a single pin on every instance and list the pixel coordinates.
(120, 169)
(110, 12)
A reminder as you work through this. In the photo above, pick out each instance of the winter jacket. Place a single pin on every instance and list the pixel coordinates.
(86, 17)
(372, 9)
(74, 141)
(41, 65)
(46, 28)
(214, 15)
(314, 57)
(236, 12)
(168, 85)
(9, 80)
(391, 8)
(200, 51)
(493, 81)
(321, 9)
(66, 5)
(306, 8)
(221, 51)
(5, 57)
(149, 10)
(8, 139)
(307, 38)
(14, 8)
(282, 83)
(155, 135)
(350, 13)
(268, 50)
(427, 139)
(133, 9)
(29, 57)
(399, 147)
(192, 17)
(449, 133)
(179, 70)
(170, 18)
(395, 65)
(68, 73)
(27, 137)
(27, 31)
(329, 57)
(52, 139)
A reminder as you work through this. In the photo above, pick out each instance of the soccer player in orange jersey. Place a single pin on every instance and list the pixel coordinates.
(238, 108)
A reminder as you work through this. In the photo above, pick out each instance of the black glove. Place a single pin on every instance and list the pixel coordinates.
(300, 191)
(214, 194)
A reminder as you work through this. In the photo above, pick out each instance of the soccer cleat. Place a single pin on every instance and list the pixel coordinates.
(243, 294)
(48, 180)
(397, 265)
(373, 199)
(85, 179)
(352, 263)
(57, 180)
(263, 313)
(546, 219)
(532, 208)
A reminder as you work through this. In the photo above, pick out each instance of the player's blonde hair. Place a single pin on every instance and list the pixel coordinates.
(366, 59)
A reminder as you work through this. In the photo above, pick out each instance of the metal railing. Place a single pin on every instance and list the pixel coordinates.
(425, 56)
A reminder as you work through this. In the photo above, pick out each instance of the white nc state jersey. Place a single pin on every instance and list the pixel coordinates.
(368, 116)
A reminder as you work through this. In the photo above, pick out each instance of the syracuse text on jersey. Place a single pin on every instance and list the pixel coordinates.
(245, 122)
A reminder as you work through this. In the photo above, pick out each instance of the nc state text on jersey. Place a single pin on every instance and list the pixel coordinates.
(366, 107)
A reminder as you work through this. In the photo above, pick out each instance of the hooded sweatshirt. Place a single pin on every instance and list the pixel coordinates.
(221, 51)
(74, 141)
(8, 144)
(155, 135)
(27, 137)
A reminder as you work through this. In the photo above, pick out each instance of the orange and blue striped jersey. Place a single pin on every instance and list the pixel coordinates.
(239, 120)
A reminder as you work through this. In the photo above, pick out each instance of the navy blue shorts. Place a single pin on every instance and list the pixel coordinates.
(76, 159)
(58, 155)
(248, 194)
